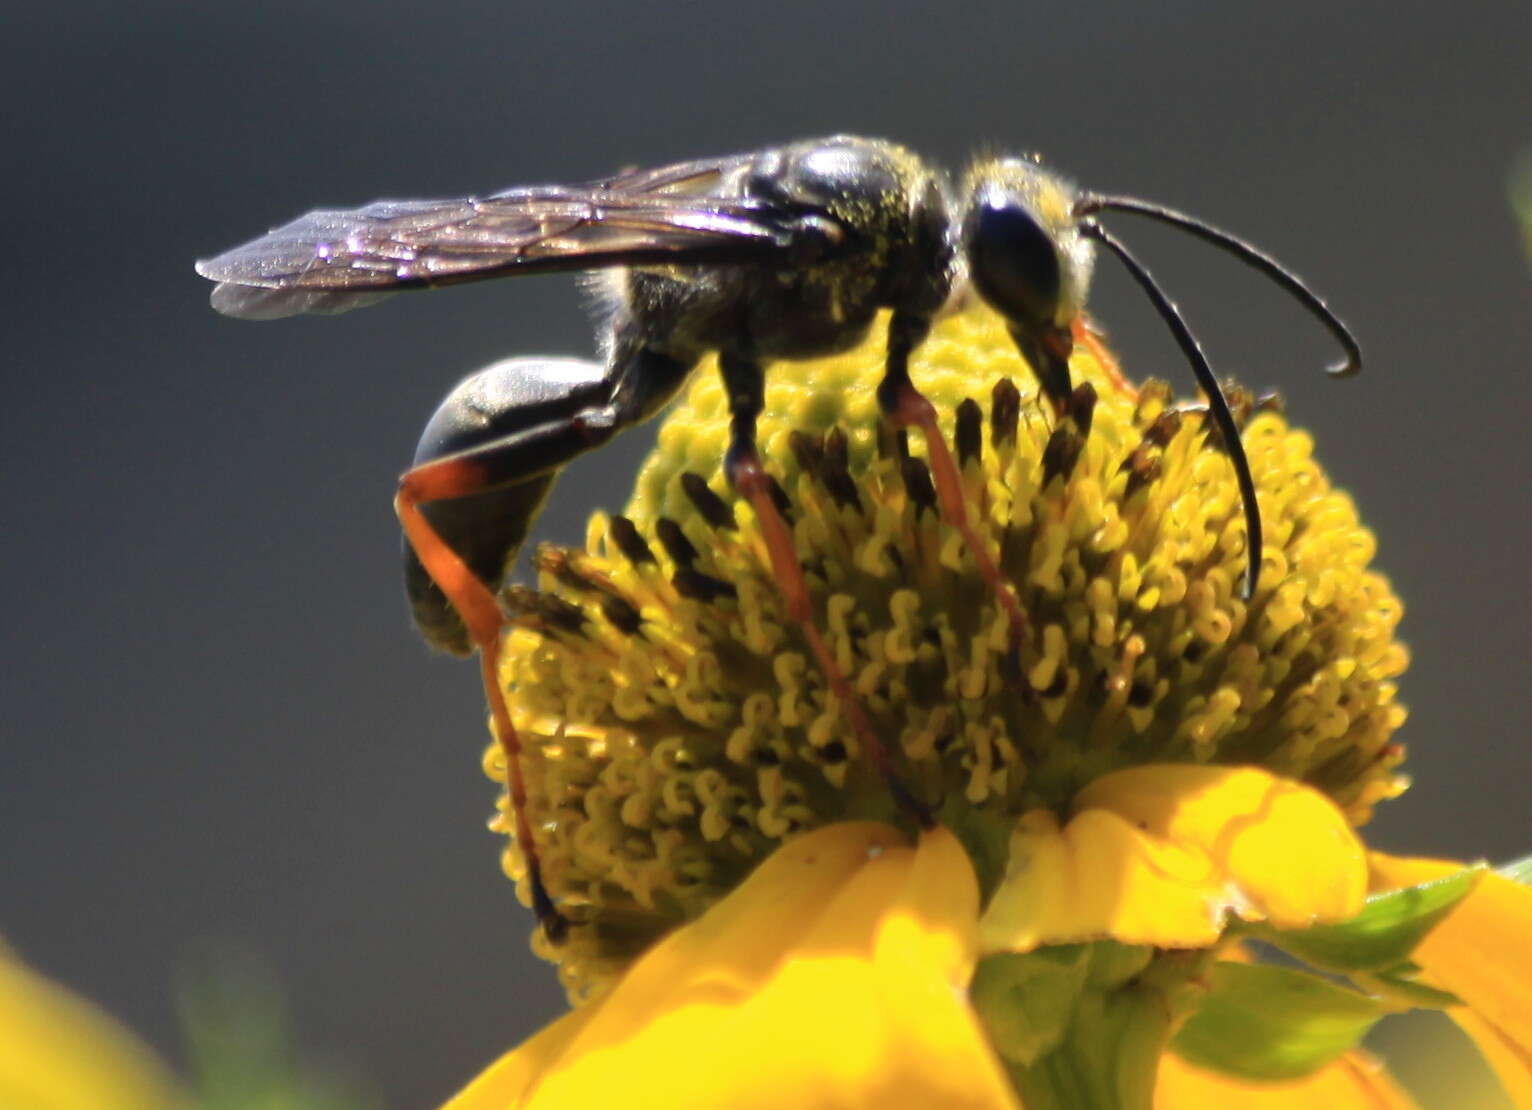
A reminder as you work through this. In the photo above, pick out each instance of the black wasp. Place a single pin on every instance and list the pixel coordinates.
(783, 253)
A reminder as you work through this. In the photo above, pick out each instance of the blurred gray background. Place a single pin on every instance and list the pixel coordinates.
(217, 720)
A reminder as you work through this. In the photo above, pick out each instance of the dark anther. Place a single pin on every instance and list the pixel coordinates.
(917, 483)
(1061, 454)
(1143, 467)
(625, 535)
(842, 488)
(549, 557)
(1164, 428)
(808, 449)
(1140, 695)
(1212, 433)
(969, 434)
(837, 448)
(893, 443)
(620, 611)
(765, 757)
(1082, 407)
(1004, 412)
(556, 561)
(1241, 401)
(835, 473)
(675, 543)
(713, 509)
(547, 610)
(518, 601)
(1194, 651)
(696, 586)
(560, 614)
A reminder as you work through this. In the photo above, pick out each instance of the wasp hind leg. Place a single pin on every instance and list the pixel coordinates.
(524, 423)
(475, 603)
(744, 380)
(905, 406)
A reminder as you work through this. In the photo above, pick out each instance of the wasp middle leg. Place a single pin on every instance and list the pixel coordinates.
(905, 406)
(744, 380)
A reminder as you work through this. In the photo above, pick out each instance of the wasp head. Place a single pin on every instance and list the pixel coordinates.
(1027, 258)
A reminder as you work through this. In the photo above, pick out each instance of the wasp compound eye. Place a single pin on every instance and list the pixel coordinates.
(1014, 262)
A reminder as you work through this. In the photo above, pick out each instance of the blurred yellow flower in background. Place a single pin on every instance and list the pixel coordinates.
(58, 1052)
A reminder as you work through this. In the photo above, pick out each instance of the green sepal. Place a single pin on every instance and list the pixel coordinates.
(1108, 1059)
(1027, 1000)
(1384, 934)
(1518, 871)
(1399, 987)
(1262, 1022)
(1083, 1027)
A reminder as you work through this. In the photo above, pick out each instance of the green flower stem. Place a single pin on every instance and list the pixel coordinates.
(1097, 1047)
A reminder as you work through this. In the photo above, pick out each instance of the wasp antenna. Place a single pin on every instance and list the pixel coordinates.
(1248, 254)
(1218, 404)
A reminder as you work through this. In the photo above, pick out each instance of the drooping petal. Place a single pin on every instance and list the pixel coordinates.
(1511, 1062)
(835, 976)
(505, 1082)
(1162, 854)
(1481, 954)
(1355, 1080)
(57, 1052)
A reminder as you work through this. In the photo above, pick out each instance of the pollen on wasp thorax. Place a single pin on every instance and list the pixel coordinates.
(680, 730)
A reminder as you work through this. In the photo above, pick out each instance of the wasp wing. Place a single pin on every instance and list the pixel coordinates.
(334, 260)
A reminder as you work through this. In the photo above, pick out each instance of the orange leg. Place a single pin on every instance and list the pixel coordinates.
(745, 381)
(751, 481)
(1087, 336)
(476, 604)
(912, 409)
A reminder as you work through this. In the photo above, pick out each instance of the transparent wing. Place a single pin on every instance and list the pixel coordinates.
(334, 260)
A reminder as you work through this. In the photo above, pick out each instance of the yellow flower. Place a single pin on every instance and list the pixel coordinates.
(57, 1052)
(1160, 769)
(864, 943)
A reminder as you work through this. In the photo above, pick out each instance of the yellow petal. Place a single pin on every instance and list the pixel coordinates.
(1480, 953)
(1284, 844)
(1510, 1061)
(57, 1052)
(505, 1082)
(1163, 854)
(1355, 1080)
(835, 976)
(1101, 877)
